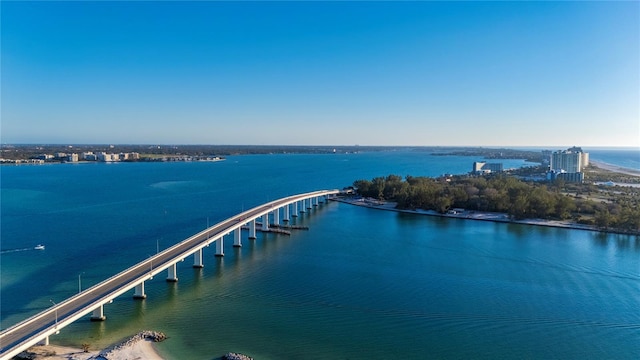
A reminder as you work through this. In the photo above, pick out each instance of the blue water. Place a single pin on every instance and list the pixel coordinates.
(360, 284)
(627, 158)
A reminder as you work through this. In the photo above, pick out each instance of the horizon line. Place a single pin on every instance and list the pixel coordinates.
(514, 147)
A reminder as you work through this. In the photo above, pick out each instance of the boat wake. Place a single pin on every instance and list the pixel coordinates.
(15, 250)
(38, 247)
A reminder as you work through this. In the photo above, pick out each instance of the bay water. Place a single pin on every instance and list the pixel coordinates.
(359, 284)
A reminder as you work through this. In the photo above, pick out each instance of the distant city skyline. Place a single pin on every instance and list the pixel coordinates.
(512, 74)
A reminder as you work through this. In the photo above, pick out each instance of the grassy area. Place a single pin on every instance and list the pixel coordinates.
(592, 173)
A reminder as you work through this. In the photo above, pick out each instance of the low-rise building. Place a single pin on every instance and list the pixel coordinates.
(104, 157)
(44, 157)
(480, 167)
(576, 177)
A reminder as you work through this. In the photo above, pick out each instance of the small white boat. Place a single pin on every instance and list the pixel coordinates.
(39, 247)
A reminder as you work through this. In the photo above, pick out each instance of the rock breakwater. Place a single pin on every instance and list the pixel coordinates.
(236, 356)
(113, 352)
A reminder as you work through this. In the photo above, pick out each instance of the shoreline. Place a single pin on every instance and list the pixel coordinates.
(615, 168)
(475, 215)
(138, 346)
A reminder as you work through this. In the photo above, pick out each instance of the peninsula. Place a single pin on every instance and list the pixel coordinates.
(590, 205)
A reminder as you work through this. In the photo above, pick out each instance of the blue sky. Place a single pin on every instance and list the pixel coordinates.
(332, 73)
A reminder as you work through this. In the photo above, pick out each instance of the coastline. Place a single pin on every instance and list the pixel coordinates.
(500, 217)
(471, 215)
(139, 346)
(615, 168)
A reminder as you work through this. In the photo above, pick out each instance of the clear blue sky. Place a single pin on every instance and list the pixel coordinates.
(369, 73)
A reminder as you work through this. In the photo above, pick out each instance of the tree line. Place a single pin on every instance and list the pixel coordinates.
(500, 193)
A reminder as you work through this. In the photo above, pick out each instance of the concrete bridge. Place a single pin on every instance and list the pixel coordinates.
(39, 327)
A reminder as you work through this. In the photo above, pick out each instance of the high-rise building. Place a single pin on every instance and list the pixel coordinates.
(568, 164)
(583, 155)
(572, 160)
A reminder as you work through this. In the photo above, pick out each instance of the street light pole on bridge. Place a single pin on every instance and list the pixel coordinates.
(56, 313)
(80, 282)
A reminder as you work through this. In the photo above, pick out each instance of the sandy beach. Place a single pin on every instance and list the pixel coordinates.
(470, 215)
(136, 347)
(491, 216)
(615, 168)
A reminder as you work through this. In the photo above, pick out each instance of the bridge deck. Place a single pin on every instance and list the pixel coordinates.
(36, 328)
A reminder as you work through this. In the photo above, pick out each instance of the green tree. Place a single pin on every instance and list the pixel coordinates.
(602, 219)
(363, 187)
(392, 186)
(377, 188)
(564, 207)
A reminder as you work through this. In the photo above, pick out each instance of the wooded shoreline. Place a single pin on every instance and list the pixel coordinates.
(600, 207)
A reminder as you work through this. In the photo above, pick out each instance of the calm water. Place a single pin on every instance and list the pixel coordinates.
(360, 284)
(628, 158)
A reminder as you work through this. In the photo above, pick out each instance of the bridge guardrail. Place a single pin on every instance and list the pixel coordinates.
(74, 314)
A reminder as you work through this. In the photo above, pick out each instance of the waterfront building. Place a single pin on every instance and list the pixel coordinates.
(584, 157)
(44, 157)
(480, 167)
(571, 160)
(21, 161)
(104, 157)
(566, 161)
(568, 164)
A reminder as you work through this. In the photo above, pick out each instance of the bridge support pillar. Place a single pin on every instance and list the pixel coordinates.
(197, 259)
(287, 210)
(295, 209)
(265, 222)
(44, 342)
(303, 206)
(139, 292)
(98, 314)
(315, 201)
(237, 239)
(276, 216)
(252, 229)
(172, 273)
(220, 246)
(310, 205)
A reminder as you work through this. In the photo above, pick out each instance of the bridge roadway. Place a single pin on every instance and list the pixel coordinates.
(40, 326)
